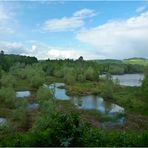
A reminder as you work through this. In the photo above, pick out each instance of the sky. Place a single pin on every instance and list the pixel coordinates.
(70, 29)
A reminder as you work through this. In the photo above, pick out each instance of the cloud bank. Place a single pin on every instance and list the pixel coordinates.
(119, 38)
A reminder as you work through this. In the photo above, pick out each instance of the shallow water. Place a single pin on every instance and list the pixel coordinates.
(33, 105)
(59, 93)
(3, 122)
(23, 94)
(90, 102)
(97, 103)
(118, 122)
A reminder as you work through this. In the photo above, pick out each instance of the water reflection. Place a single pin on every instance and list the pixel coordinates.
(86, 102)
(33, 105)
(97, 103)
(3, 121)
(23, 94)
(128, 79)
(118, 122)
(59, 93)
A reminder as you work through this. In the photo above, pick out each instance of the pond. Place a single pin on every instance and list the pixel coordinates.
(3, 122)
(33, 105)
(89, 102)
(97, 103)
(23, 94)
(128, 79)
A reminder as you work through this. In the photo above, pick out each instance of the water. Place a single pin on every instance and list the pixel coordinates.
(90, 102)
(128, 79)
(97, 103)
(33, 105)
(23, 94)
(59, 93)
(118, 122)
(3, 122)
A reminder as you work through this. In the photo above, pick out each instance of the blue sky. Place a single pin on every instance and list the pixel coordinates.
(69, 29)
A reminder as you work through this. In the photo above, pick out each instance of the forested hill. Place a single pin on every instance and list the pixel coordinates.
(138, 61)
(7, 60)
(132, 65)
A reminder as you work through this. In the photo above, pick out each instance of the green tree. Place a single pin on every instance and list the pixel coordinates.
(108, 87)
(69, 75)
(144, 87)
(44, 94)
(91, 74)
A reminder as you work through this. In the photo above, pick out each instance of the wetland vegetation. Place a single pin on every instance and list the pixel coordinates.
(68, 102)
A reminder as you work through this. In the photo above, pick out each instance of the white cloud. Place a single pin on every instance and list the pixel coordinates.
(63, 24)
(119, 38)
(62, 54)
(44, 51)
(85, 13)
(68, 23)
(12, 47)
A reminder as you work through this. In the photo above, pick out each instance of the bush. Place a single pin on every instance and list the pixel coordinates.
(8, 97)
(107, 90)
(81, 77)
(91, 74)
(44, 94)
(8, 80)
(69, 76)
(35, 75)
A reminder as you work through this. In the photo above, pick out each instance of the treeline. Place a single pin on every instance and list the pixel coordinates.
(71, 71)
(120, 67)
(7, 61)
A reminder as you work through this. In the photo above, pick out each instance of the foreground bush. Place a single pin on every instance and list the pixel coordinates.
(67, 130)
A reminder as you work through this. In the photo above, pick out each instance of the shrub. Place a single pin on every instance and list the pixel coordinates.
(8, 80)
(69, 76)
(81, 77)
(8, 97)
(91, 74)
(44, 94)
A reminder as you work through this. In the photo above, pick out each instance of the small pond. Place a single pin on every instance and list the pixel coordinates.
(128, 79)
(23, 94)
(3, 122)
(33, 105)
(89, 102)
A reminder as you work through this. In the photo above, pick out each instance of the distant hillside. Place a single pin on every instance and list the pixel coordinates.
(137, 61)
(108, 61)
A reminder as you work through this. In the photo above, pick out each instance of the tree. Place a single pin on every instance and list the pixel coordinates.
(144, 86)
(69, 75)
(80, 58)
(108, 87)
(91, 74)
(2, 52)
(44, 94)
